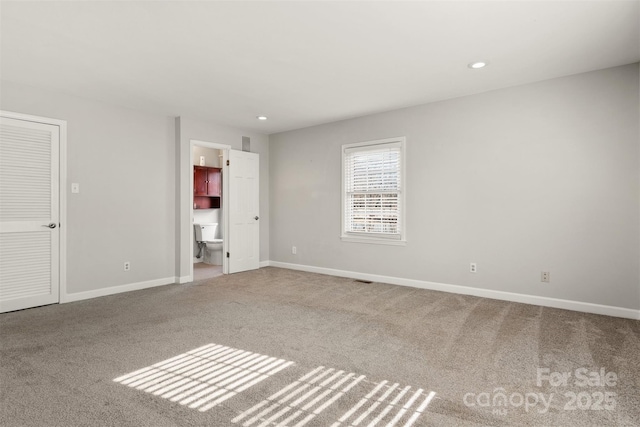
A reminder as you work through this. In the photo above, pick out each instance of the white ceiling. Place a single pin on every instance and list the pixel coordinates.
(304, 63)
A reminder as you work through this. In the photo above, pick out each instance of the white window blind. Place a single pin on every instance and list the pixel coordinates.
(373, 190)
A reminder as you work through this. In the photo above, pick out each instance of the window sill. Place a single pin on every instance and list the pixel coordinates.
(373, 240)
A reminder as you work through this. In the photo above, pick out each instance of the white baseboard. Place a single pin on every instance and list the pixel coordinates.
(265, 264)
(466, 290)
(78, 296)
(184, 279)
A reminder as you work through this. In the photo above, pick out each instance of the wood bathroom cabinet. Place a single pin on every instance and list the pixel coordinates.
(207, 187)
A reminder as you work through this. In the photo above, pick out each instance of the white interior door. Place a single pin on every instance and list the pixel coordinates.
(244, 212)
(29, 214)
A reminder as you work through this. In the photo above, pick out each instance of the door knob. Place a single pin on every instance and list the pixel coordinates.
(256, 217)
(50, 225)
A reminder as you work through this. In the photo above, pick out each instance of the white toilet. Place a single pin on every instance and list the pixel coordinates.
(206, 233)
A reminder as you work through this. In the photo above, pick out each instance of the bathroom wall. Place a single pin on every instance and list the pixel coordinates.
(211, 156)
(201, 216)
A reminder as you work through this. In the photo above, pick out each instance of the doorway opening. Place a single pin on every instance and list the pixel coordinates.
(209, 209)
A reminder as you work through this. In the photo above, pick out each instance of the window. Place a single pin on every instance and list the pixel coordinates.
(373, 191)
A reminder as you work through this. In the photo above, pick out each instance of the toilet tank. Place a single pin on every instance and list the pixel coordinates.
(205, 232)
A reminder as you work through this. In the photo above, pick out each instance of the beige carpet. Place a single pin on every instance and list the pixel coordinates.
(277, 347)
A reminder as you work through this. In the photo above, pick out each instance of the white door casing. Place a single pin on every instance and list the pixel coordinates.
(244, 212)
(29, 213)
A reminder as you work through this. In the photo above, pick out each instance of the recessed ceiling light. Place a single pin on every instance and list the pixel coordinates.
(261, 117)
(476, 65)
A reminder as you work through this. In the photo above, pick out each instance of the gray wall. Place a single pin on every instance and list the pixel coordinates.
(188, 129)
(537, 177)
(133, 203)
(124, 161)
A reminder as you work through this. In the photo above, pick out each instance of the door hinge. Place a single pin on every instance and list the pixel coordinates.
(227, 254)
(227, 162)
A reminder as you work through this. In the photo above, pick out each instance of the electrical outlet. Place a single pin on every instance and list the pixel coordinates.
(473, 268)
(294, 250)
(545, 277)
(127, 266)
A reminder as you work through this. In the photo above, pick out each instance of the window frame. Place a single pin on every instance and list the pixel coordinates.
(376, 238)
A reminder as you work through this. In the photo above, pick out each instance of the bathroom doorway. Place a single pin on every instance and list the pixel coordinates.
(209, 212)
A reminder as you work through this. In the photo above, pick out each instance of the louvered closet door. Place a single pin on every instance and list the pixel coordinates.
(29, 248)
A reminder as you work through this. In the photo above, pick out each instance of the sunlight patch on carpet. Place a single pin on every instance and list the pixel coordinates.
(301, 401)
(204, 377)
(398, 408)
